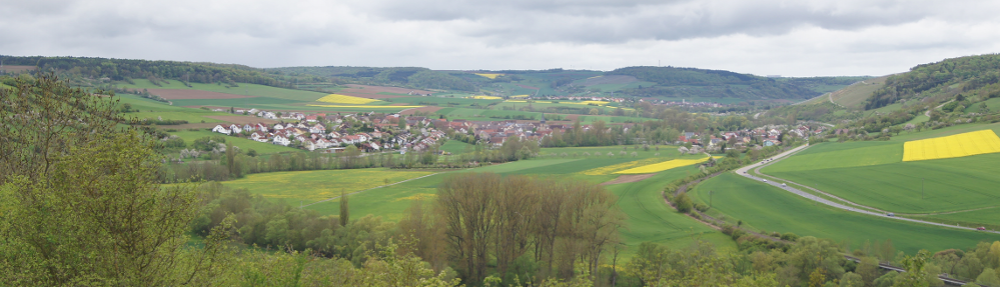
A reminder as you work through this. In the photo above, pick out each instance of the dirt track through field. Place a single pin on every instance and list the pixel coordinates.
(182, 94)
(629, 178)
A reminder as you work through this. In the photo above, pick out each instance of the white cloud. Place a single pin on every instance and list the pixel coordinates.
(792, 38)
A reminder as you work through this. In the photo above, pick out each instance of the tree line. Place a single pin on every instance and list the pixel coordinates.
(126, 69)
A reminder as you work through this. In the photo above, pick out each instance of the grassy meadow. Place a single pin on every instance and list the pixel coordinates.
(873, 174)
(650, 219)
(767, 208)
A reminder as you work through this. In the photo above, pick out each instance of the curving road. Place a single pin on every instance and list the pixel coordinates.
(744, 171)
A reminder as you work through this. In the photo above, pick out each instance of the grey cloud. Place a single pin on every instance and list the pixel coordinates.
(622, 21)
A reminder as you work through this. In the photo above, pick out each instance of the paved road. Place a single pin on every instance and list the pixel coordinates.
(744, 172)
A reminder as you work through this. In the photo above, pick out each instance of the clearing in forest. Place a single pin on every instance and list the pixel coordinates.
(960, 145)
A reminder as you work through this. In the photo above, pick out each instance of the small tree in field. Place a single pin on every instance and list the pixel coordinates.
(683, 203)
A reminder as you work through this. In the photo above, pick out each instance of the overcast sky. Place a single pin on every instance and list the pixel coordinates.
(789, 38)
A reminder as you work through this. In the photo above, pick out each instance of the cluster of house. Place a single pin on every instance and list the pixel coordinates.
(602, 99)
(417, 133)
(768, 136)
(331, 132)
(685, 103)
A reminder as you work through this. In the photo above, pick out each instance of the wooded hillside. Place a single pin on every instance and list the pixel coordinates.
(691, 82)
(972, 75)
(126, 69)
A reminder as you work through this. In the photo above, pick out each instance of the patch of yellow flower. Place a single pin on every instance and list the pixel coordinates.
(367, 107)
(960, 145)
(519, 96)
(488, 75)
(621, 166)
(658, 167)
(344, 99)
(485, 97)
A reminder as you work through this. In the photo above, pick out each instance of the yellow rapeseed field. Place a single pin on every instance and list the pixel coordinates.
(367, 107)
(972, 143)
(621, 166)
(491, 76)
(344, 99)
(485, 97)
(658, 167)
(519, 96)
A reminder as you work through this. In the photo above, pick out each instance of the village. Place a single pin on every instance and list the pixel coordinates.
(376, 132)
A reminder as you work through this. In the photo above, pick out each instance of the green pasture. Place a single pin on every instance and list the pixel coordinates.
(991, 104)
(651, 219)
(515, 166)
(305, 187)
(512, 89)
(987, 217)
(952, 130)
(244, 144)
(767, 208)
(243, 89)
(442, 101)
(239, 103)
(948, 184)
(544, 105)
(840, 155)
(918, 119)
(191, 117)
(873, 174)
(146, 105)
(456, 147)
(664, 151)
(487, 115)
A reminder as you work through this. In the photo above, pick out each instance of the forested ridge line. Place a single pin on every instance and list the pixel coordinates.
(127, 69)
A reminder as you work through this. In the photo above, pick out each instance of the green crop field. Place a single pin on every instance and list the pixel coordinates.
(771, 209)
(903, 137)
(243, 89)
(986, 217)
(305, 187)
(948, 184)
(442, 101)
(873, 174)
(839, 155)
(650, 219)
(456, 147)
